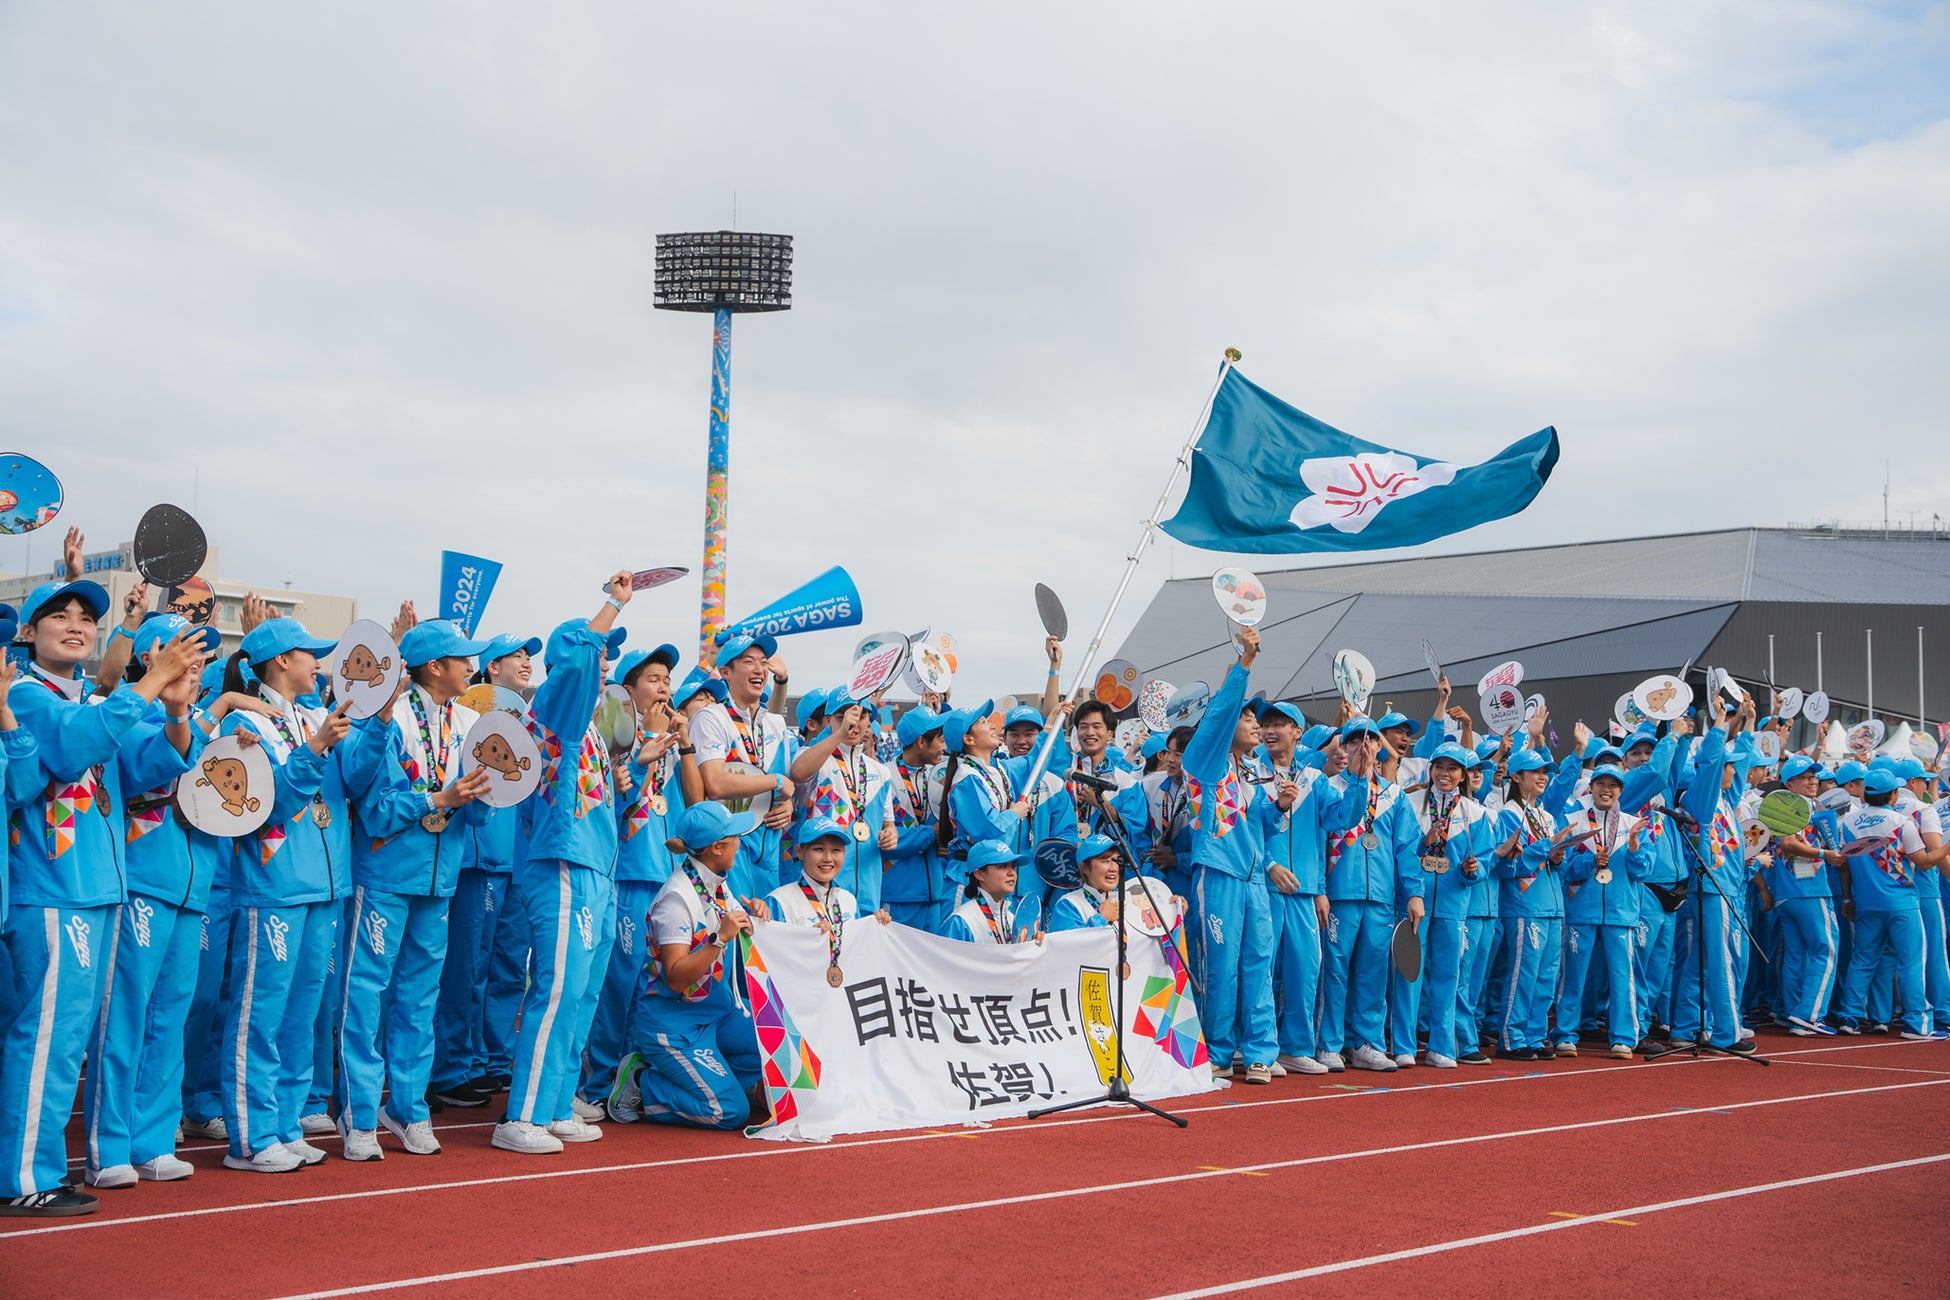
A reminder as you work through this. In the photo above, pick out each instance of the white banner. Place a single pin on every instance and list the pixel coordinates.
(923, 1031)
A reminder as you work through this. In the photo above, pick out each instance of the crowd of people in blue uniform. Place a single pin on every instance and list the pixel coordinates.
(388, 944)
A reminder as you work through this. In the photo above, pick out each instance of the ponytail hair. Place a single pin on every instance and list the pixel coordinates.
(233, 675)
(944, 821)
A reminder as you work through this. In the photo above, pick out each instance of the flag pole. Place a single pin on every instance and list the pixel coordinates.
(1178, 467)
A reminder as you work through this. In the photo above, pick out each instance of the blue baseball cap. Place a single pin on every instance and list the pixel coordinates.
(276, 636)
(706, 823)
(500, 647)
(210, 685)
(1488, 745)
(1880, 781)
(436, 638)
(1023, 713)
(1486, 763)
(162, 628)
(1881, 760)
(698, 679)
(9, 623)
(1640, 737)
(91, 593)
(1284, 710)
(665, 654)
(916, 724)
(613, 643)
(739, 642)
(1154, 744)
(992, 853)
(1592, 748)
(1908, 769)
(1359, 726)
(1823, 772)
(1527, 760)
(1850, 771)
(1389, 721)
(813, 701)
(819, 828)
(1451, 752)
(1316, 736)
(1095, 846)
(1797, 765)
(956, 722)
(1609, 771)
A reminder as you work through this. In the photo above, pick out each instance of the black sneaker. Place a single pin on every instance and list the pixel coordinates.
(1472, 1057)
(464, 1096)
(434, 1104)
(1744, 1046)
(1517, 1054)
(496, 1082)
(62, 1202)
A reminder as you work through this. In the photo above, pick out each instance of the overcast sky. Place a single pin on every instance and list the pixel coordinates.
(357, 282)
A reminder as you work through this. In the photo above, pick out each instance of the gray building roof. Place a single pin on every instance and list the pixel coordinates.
(1587, 620)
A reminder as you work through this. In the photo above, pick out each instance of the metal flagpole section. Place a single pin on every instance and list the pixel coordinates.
(1179, 466)
(1818, 685)
(1869, 639)
(1920, 715)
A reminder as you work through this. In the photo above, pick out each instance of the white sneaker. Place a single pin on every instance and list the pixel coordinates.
(317, 1125)
(1405, 1060)
(113, 1176)
(589, 1112)
(361, 1144)
(1221, 1071)
(1438, 1060)
(574, 1130)
(165, 1169)
(206, 1128)
(1277, 1070)
(529, 1139)
(273, 1159)
(1334, 1062)
(1302, 1064)
(305, 1152)
(1369, 1057)
(417, 1137)
(1745, 1032)
(625, 1104)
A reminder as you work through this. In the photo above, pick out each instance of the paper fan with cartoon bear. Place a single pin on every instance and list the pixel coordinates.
(500, 743)
(228, 791)
(365, 668)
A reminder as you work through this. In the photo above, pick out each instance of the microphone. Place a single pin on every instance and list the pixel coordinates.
(1683, 819)
(1094, 781)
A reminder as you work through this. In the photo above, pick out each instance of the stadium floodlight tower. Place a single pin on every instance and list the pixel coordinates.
(721, 271)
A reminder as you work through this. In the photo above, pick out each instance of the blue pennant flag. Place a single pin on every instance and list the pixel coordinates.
(1272, 480)
(466, 582)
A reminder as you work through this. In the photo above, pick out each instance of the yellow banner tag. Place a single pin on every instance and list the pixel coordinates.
(1099, 1021)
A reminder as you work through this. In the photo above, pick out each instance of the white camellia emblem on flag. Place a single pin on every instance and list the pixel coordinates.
(1349, 492)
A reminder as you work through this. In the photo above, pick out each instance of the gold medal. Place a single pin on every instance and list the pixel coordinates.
(101, 797)
(861, 831)
(834, 976)
(1435, 862)
(321, 814)
(659, 805)
(435, 821)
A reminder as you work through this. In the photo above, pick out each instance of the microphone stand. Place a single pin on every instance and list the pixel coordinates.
(1118, 1091)
(1702, 873)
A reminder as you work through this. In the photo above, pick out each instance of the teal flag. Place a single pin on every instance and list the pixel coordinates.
(1269, 479)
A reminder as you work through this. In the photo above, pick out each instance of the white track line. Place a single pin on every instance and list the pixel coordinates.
(1031, 1198)
(1463, 1243)
(1028, 1126)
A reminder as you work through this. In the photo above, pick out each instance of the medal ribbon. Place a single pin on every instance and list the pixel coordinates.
(830, 910)
(999, 931)
(435, 780)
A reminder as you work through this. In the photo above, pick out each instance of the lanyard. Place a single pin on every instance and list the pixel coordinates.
(996, 781)
(436, 759)
(1530, 821)
(1607, 829)
(982, 902)
(752, 747)
(852, 781)
(715, 906)
(830, 911)
(1439, 818)
(913, 795)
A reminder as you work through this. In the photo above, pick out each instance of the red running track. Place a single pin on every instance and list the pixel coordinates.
(1473, 1182)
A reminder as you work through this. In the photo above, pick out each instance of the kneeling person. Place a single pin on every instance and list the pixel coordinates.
(694, 1054)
